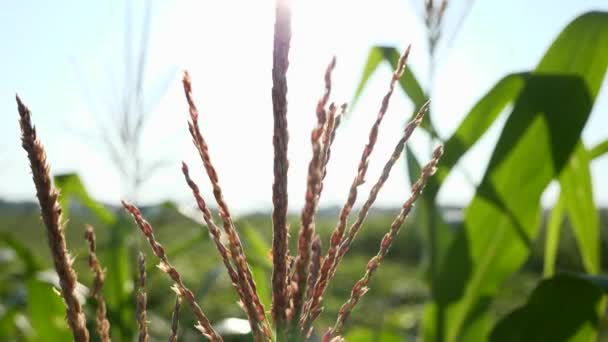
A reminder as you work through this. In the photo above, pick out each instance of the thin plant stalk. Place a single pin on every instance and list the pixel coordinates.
(360, 287)
(234, 243)
(315, 266)
(329, 135)
(101, 320)
(240, 284)
(331, 118)
(141, 299)
(313, 308)
(204, 325)
(51, 216)
(280, 138)
(397, 152)
(175, 319)
(313, 186)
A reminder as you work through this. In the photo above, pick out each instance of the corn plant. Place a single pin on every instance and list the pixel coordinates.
(299, 281)
(546, 109)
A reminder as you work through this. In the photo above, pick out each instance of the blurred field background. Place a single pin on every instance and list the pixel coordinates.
(396, 301)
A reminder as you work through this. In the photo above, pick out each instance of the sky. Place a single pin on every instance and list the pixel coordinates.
(66, 60)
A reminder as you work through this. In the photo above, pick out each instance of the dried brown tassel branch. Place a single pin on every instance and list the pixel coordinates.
(397, 152)
(251, 300)
(313, 308)
(175, 319)
(298, 284)
(332, 120)
(315, 266)
(329, 135)
(204, 325)
(240, 284)
(141, 299)
(313, 187)
(51, 216)
(280, 138)
(360, 288)
(356, 226)
(101, 320)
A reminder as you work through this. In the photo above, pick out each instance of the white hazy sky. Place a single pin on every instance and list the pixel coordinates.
(52, 50)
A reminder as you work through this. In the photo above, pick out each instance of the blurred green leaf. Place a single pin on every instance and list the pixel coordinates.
(408, 82)
(118, 287)
(258, 252)
(46, 312)
(554, 226)
(586, 35)
(521, 167)
(31, 262)
(504, 216)
(599, 280)
(186, 244)
(563, 308)
(114, 253)
(7, 323)
(599, 149)
(584, 216)
(72, 189)
(577, 194)
(374, 58)
(534, 147)
(209, 279)
(435, 231)
(476, 123)
(366, 335)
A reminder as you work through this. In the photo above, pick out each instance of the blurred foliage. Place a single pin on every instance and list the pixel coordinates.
(578, 323)
(399, 293)
(540, 142)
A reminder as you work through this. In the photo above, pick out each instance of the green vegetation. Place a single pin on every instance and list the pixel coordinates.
(540, 142)
(399, 292)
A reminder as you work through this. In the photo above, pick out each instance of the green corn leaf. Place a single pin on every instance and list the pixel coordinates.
(584, 216)
(476, 123)
(30, 260)
(258, 256)
(535, 146)
(115, 255)
(436, 233)
(7, 323)
(365, 334)
(504, 216)
(71, 188)
(577, 192)
(554, 226)
(408, 82)
(113, 252)
(46, 312)
(543, 318)
(575, 180)
(599, 149)
(373, 61)
(599, 280)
